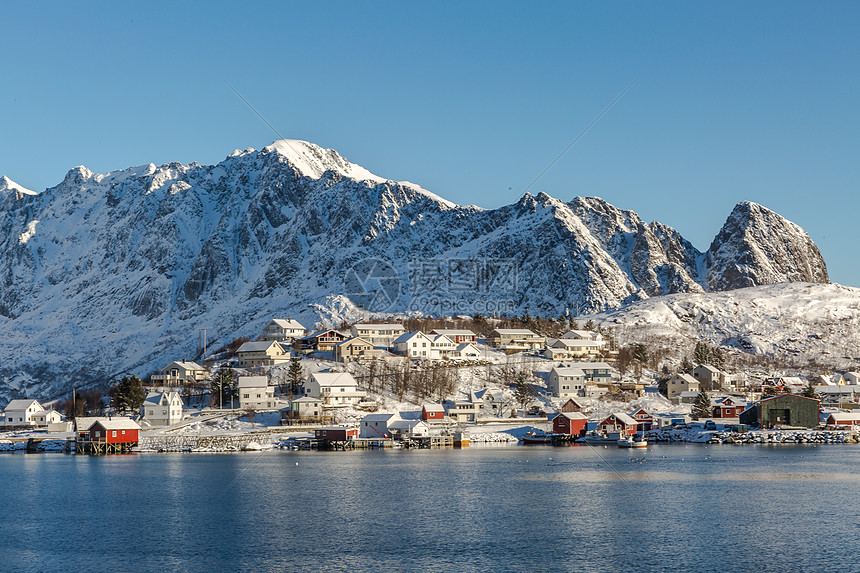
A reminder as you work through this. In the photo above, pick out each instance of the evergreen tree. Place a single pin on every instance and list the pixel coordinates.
(589, 325)
(702, 406)
(702, 353)
(718, 358)
(809, 391)
(223, 387)
(295, 375)
(127, 394)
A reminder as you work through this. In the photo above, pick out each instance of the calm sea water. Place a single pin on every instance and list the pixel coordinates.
(671, 508)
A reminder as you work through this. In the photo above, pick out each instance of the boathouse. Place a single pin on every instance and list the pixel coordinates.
(570, 423)
(336, 433)
(843, 419)
(618, 422)
(783, 410)
(432, 412)
(110, 436)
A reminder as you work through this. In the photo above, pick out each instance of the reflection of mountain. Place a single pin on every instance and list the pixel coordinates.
(115, 272)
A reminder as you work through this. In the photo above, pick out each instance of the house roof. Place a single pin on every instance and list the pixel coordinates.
(574, 343)
(844, 417)
(515, 331)
(186, 364)
(116, 424)
(353, 340)
(687, 378)
(252, 382)
(21, 404)
(156, 398)
(587, 365)
(380, 417)
(379, 326)
(709, 368)
(407, 336)
(582, 334)
(769, 398)
(453, 332)
(433, 408)
(568, 371)
(288, 323)
(623, 418)
(257, 346)
(305, 399)
(573, 415)
(400, 423)
(465, 345)
(334, 379)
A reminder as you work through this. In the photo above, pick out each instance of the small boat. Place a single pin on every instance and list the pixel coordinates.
(536, 438)
(636, 441)
(598, 439)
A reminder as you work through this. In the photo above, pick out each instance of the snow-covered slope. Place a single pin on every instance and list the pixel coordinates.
(108, 273)
(799, 322)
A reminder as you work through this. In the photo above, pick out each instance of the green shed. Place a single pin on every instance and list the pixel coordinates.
(783, 410)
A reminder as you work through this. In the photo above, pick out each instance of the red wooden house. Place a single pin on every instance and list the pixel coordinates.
(336, 433)
(570, 423)
(112, 435)
(618, 422)
(728, 407)
(432, 412)
(571, 406)
(644, 420)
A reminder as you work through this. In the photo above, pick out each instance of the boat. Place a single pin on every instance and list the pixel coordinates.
(636, 441)
(595, 438)
(535, 438)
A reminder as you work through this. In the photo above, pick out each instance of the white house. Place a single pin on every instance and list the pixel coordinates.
(377, 425)
(306, 408)
(466, 351)
(566, 382)
(255, 393)
(378, 334)
(20, 412)
(335, 389)
(415, 345)
(262, 353)
(281, 329)
(409, 428)
(162, 409)
(443, 346)
(46, 418)
(179, 373)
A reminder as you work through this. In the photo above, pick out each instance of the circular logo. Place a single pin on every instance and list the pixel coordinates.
(372, 284)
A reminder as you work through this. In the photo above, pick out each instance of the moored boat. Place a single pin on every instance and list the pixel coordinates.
(535, 438)
(600, 439)
(636, 441)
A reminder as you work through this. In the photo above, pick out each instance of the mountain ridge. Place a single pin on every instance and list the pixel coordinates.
(116, 272)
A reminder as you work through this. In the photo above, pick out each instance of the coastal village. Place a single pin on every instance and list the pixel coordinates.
(376, 385)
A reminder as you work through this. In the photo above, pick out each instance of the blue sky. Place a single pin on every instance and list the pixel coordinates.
(730, 101)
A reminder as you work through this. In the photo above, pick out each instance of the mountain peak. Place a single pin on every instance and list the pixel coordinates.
(758, 246)
(313, 161)
(9, 186)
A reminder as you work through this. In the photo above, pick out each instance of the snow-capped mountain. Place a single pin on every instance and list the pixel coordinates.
(116, 272)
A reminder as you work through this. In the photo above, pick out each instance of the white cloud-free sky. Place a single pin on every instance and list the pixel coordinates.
(730, 101)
